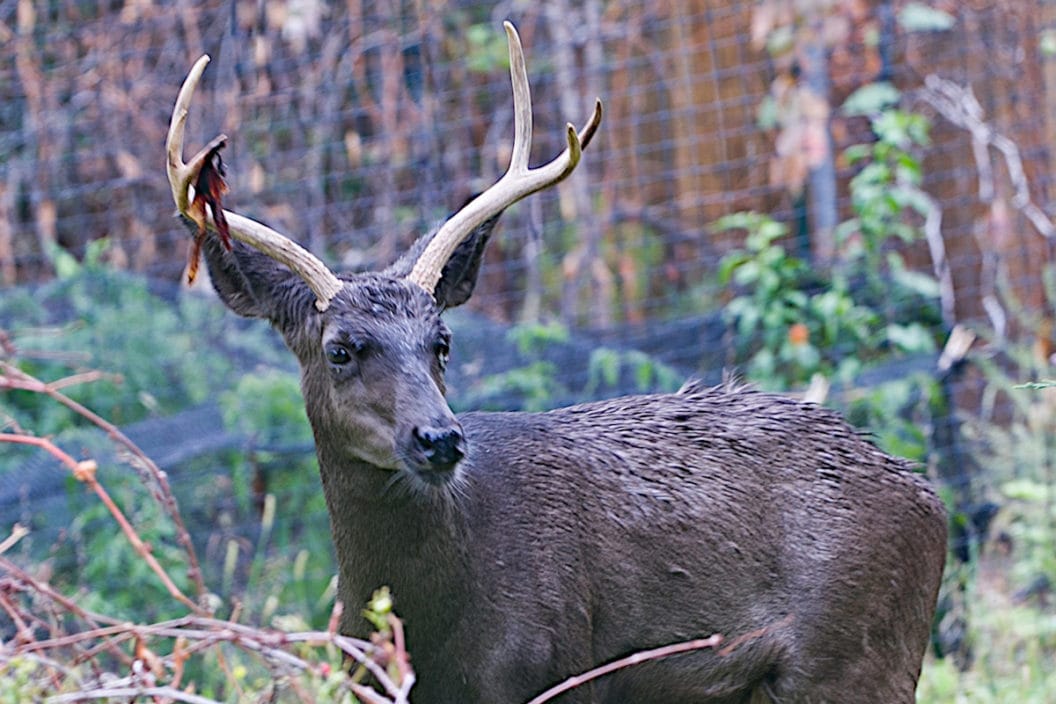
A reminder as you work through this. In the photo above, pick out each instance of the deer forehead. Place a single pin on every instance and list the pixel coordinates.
(385, 308)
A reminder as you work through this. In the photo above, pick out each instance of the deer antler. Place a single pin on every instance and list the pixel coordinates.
(182, 177)
(519, 181)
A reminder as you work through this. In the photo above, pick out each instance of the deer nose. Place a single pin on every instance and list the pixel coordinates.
(442, 447)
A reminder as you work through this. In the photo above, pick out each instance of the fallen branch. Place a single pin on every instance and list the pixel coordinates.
(272, 647)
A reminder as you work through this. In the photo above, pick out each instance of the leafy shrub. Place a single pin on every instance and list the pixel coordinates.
(156, 356)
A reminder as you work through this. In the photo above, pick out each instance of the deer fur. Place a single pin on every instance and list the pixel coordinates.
(523, 548)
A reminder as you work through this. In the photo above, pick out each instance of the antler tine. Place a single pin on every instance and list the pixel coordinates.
(518, 181)
(323, 283)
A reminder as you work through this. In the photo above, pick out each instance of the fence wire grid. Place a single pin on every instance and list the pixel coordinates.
(357, 127)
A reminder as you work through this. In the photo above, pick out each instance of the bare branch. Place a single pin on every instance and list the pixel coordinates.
(84, 471)
(712, 641)
(13, 377)
(959, 105)
(18, 531)
(170, 693)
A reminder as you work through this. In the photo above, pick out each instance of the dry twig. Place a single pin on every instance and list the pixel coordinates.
(11, 377)
(84, 471)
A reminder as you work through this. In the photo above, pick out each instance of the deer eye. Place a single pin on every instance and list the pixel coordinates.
(338, 354)
(443, 352)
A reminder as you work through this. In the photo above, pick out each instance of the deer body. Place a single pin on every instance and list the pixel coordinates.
(522, 549)
(585, 534)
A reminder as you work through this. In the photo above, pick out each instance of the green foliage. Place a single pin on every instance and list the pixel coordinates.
(21, 681)
(1047, 42)
(1011, 626)
(267, 405)
(378, 610)
(789, 325)
(607, 366)
(485, 48)
(103, 558)
(534, 338)
(871, 99)
(897, 414)
(159, 356)
(918, 17)
(536, 384)
(885, 194)
(1021, 451)
(792, 323)
(155, 355)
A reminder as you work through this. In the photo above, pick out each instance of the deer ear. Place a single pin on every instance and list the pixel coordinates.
(255, 286)
(459, 276)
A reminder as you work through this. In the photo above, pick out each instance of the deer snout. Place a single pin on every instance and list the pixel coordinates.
(441, 447)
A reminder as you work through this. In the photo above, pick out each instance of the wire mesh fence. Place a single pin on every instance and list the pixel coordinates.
(900, 149)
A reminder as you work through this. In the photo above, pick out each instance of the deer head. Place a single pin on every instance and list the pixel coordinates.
(372, 346)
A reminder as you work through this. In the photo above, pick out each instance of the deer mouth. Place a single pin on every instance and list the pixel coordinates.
(434, 453)
(436, 476)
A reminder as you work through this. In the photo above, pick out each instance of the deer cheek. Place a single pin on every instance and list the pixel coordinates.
(375, 438)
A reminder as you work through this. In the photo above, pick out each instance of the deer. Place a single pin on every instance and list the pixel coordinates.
(524, 548)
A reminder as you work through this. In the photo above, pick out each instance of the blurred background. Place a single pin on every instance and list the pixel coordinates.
(849, 199)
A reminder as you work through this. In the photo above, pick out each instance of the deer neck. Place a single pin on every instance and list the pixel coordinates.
(388, 535)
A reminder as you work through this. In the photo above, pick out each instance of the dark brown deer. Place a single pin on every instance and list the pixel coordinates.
(522, 548)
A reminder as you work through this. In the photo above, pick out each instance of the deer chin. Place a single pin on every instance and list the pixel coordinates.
(434, 477)
(425, 475)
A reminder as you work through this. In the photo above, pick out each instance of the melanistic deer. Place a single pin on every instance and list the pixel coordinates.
(523, 548)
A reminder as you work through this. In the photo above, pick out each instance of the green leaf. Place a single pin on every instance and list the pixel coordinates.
(532, 338)
(1047, 42)
(846, 229)
(806, 356)
(918, 17)
(66, 265)
(908, 169)
(848, 369)
(918, 127)
(1037, 385)
(857, 152)
(763, 364)
(486, 48)
(871, 98)
(748, 320)
(742, 220)
(729, 264)
(769, 114)
(603, 368)
(781, 39)
(771, 230)
(95, 251)
(891, 127)
(796, 299)
(920, 283)
(1025, 490)
(910, 338)
(747, 273)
